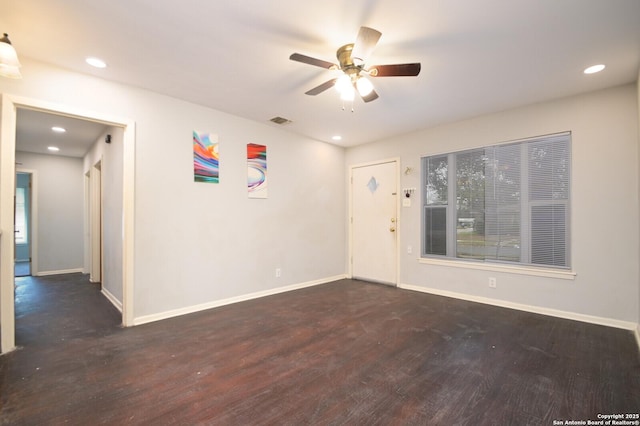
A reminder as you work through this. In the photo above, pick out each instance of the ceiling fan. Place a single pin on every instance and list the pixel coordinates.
(352, 59)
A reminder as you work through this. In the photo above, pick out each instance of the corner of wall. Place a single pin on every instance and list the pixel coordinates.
(638, 126)
(242, 298)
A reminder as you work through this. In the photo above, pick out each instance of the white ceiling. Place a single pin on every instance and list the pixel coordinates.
(34, 134)
(478, 56)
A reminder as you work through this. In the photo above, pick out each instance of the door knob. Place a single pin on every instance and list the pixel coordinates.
(392, 229)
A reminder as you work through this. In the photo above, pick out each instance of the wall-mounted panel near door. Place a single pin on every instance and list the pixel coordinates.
(374, 222)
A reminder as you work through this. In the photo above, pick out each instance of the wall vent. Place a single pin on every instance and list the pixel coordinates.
(280, 120)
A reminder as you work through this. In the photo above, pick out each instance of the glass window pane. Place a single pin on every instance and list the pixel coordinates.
(549, 161)
(503, 203)
(548, 235)
(549, 185)
(435, 239)
(436, 180)
(470, 204)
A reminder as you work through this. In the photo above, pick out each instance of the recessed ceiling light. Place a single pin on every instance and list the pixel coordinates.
(594, 69)
(336, 138)
(96, 62)
(53, 148)
(58, 129)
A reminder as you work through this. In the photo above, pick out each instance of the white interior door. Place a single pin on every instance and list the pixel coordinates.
(374, 222)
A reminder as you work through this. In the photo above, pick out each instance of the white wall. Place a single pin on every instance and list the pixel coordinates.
(605, 226)
(110, 158)
(60, 211)
(197, 243)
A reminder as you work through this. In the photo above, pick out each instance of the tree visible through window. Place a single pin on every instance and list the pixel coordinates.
(502, 203)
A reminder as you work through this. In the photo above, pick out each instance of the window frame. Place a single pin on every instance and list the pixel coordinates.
(524, 265)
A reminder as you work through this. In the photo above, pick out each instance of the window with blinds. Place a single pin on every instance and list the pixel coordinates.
(501, 203)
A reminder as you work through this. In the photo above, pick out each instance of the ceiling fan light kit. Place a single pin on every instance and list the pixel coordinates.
(348, 94)
(342, 83)
(352, 59)
(364, 86)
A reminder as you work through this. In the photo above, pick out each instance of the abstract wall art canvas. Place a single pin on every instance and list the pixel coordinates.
(257, 170)
(206, 161)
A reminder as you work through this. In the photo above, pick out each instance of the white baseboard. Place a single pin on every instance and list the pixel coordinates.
(217, 303)
(62, 271)
(114, 300)
(528, 308)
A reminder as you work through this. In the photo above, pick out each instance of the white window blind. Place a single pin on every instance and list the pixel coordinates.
(436, 200)
(549, 185)
(505, 203)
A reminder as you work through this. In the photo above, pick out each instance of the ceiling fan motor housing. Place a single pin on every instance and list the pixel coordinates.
(346, 61)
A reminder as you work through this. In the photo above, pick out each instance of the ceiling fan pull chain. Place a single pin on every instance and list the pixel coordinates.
(344, 108)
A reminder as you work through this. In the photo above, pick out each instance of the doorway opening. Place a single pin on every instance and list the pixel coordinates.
(23, 230)
(8, 128)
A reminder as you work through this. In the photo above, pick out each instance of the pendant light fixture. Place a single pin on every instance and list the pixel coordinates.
(9, 64)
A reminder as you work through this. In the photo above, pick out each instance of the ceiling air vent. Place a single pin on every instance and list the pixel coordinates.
(280, 120)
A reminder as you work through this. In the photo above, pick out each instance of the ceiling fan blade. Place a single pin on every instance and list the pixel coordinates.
(370, 97)
(311, 61)
(365, 43)
(321, 88)
(396, 70)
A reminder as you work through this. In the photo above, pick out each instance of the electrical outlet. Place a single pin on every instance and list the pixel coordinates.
(492, 282)
(409, 249)
(278, 272)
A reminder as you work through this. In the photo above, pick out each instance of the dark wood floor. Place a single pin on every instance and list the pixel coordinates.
(342, 353)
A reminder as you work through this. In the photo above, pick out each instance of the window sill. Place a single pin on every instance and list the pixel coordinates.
(512, 269)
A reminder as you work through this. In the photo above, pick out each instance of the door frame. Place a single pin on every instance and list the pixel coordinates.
(8, 118)
(96, 221)
(395, 160)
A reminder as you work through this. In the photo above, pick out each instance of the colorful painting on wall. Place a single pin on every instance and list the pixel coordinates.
(257, 170)
(206, 161)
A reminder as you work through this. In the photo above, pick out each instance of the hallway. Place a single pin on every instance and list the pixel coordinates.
(56, 309)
